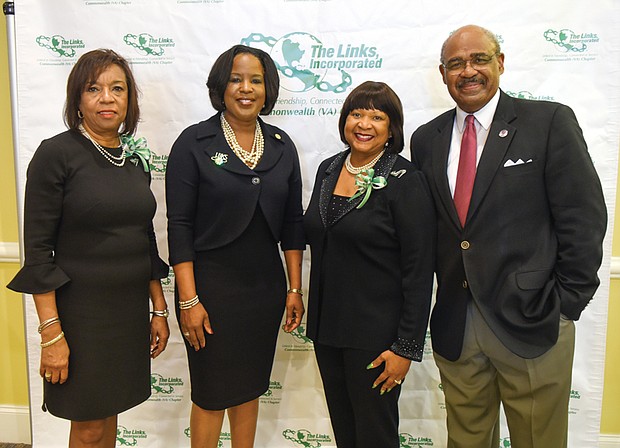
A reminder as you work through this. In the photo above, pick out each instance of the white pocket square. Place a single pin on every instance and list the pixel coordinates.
(510, 162)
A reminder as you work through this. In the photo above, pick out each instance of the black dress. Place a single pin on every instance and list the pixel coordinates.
(88, 235)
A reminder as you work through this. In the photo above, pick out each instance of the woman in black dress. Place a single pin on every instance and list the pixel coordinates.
(91, 258)
(371, 229)
(233, 191)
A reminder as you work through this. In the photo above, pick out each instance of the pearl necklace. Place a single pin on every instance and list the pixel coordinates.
(114, 160)
(355, 170)
(251, 157)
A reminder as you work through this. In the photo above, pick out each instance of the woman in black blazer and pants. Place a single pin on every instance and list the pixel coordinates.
(371, 228)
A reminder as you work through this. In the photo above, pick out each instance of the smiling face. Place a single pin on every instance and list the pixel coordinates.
(366, 132)
(104, 104)
(245, 93)
(471, 88)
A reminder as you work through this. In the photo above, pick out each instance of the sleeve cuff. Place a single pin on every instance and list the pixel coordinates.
(159, 269)
(38, 279)
(408, 349)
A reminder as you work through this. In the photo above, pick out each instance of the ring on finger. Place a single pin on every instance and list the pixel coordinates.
(48, 376)
(186, 335)
(398, 381)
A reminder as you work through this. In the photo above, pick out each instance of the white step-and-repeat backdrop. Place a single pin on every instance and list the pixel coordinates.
(555, 50)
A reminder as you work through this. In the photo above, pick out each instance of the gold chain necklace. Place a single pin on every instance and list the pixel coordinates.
(252, 157)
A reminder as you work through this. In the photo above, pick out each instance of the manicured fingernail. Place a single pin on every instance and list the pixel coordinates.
(389, 390)
(369, 366)
(382, 391)
(374, 385)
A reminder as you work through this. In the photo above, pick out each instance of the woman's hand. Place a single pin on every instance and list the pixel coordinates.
(54, 366)
(159, 335)
(194, 322)
(396, 368)
(294, 311)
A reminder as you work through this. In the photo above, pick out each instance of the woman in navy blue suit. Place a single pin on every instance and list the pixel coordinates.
(233, 191)
(371, 228)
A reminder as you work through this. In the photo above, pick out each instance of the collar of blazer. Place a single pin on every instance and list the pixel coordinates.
(495, 149)
(382, 168)
(214, 142)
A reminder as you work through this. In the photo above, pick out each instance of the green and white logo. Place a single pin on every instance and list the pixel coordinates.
(147, 45)
(524, 94)
(566, 40)
(306, 63)
(273, 395)
(306, 439)
(158, 166)
(166, 388)
(59, 46)
(301, 342)
(129, 437)
(409, 441)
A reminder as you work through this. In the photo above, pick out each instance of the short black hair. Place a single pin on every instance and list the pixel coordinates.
(379, 96)
(220, 75)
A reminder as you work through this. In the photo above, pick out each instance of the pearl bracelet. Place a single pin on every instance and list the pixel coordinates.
(53, 341)
(189, 303)
(48, 323)
(295, 291)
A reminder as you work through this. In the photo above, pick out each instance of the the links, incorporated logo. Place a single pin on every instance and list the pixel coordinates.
(525, 95)
(568, 41)
(59, 46)
(129, 437)
(303, 437)
(409, 441)
(148, 45)
(301, 342)
(306, 63)
(158, 165)
(166, 388)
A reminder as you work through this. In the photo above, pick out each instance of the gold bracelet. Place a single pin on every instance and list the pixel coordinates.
(48, 323)
(295, 291)
(189, 303)
(53, 341)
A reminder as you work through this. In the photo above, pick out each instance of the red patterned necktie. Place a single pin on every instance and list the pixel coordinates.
(467, 170)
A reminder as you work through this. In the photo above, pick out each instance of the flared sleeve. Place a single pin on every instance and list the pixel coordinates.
(46, 177)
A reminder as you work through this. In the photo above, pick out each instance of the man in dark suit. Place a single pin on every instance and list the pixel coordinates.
(521, 218)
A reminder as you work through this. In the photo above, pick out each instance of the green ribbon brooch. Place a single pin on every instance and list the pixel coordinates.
(137, 149)
(365, 183)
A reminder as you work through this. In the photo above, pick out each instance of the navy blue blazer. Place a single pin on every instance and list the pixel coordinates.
(371, 275)
(532, 242)
(211, 195)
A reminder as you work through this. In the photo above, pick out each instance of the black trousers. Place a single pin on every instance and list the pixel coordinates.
(361, 417)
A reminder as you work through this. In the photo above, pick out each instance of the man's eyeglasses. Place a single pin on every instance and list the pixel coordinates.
(457, 65)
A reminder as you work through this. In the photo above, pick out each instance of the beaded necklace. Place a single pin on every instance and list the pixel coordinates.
(252, 157)
(355, 170)
(114, 160)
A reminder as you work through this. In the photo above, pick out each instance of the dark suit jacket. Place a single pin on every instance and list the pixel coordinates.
(210, 204)
(372, 270)
(531, 246)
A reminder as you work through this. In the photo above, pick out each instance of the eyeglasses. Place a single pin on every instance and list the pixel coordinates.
(480, 61)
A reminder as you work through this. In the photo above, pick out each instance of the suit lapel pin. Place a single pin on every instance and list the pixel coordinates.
(219, 158)
(503, 133)
(278, 136)
(398, 173)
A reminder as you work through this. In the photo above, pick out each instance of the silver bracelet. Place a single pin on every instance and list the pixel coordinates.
(53, 341)
(189, 303)
(48, 323)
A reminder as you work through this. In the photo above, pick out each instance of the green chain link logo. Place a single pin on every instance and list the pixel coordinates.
(60, 46)
(299, 334)
(305, 62)
(126, 437)
(305, 438)
(567, 41)
(409, 441)
(148, 45)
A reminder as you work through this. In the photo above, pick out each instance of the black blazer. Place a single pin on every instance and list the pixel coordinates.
(211, 195)
(532, 242)
(372, 270)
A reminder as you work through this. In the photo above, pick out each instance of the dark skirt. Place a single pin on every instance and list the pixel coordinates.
(243, 288)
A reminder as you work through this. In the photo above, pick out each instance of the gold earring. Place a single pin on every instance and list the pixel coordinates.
(80, 114)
